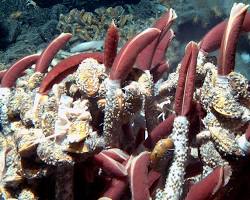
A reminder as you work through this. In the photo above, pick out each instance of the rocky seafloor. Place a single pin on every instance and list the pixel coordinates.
(24, 31)
(100, 106)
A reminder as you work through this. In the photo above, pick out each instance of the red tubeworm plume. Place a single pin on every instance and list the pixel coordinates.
(159, 70)
(159, 65)
(165, 21)
(160, 131)
(2, 73)
(138, 175)
(88, 171)
(49, 53)
(212, 40)
(153, 176)
(126, 57)
(116, 154)
(116, 189)
(64, 68)
(110, 45)
(209, 186)
(17, 69)
(160, 51)
(247, 133)
(155, 179)
(140, 137)
(118, 186)
(246, 23)
(186, 81)
(226, 59)
(145, 58)
(109, 165)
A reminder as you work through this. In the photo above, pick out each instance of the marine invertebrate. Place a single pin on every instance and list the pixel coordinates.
(120, 69)
(145, 59)
(209, 186)
(15, 70)
(111, 43)
(91, 26)
(64, 68)
(183, 100)
(230, 37)
(210, 43)
(49, 53)
(93, 120)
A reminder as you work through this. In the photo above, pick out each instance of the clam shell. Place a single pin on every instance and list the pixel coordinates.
(224, 141)
(161, 148)
(78, 148)
(224, 103)
(26, 141)
(78, 131)
(239, 84)
(11, 175)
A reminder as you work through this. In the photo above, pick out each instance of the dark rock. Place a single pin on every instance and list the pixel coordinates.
(10, 29)
(30, 35)
(58, 9)
(17, 51)
(46, 4)
(27, 42)
(9, 6)
(48, 30)
(35, 16)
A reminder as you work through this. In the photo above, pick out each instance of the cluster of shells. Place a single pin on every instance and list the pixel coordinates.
(88, 26)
